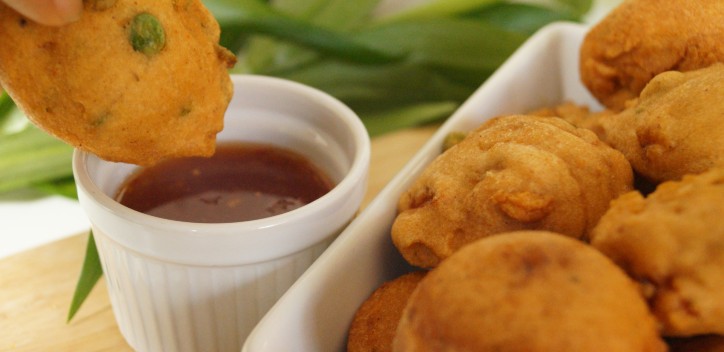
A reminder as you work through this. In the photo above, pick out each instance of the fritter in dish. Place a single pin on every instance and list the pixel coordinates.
(578, 115)
(513, 173)
(527, 291)
(672, 241)
(375, 322)
(642, 38)
(131, 81)
(674, 128)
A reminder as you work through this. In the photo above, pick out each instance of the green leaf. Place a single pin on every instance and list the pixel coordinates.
(519, 17)
(408, 116)
(31, 156)
(90, 273)
(438, 9)
(446, 43)
(576, 8)
(452, 47)
(342, 15)
(6, 104)
(62, 187)
(373, 88)
(339, 15)
(449, 59)
(253, 16)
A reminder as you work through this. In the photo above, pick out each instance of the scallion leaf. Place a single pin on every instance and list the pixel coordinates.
(408, 116)
(64, 187)
(575, 8)
(6, 104)
(239, 16)
(32, 156)
(438, 9)
(520, 17)
(90, 273)
(340, 15)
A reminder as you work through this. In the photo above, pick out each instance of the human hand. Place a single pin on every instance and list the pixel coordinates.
(48, 12)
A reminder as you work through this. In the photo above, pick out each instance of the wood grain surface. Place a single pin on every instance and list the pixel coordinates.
(36, 286)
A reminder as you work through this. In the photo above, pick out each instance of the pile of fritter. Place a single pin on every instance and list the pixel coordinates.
(566, 229)
(642, 38)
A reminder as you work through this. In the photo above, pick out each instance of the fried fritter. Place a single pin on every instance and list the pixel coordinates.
(527, 291)
(642, 38)
(131, 81)
(577, 115)
(514, 172)
(672, 241)
(375, 322)
(674, 128)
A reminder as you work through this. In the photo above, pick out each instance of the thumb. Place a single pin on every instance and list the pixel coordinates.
(48, 12)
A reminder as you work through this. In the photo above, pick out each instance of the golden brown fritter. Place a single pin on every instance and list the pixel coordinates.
(514, 172)
(571, 112)
(577, 115)
(131, 81)
(642, 38)
(527, 291)
(674, 128)
(375, 322)
(673, 242)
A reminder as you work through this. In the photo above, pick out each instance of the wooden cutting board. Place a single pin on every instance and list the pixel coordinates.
(36, 286)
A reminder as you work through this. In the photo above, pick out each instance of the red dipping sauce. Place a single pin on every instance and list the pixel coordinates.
(240, 182)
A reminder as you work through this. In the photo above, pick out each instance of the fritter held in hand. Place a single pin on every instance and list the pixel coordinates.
(527, 291)
(514, 172)
(673, 242)
(674, 128)
(131, 81)
(642, 38)
(375, 322)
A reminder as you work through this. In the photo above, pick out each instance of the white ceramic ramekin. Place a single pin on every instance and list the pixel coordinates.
(179, 286)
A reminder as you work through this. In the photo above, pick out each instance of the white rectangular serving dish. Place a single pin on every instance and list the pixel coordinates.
(315, 313)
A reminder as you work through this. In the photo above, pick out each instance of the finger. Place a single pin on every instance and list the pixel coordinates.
(48, 12)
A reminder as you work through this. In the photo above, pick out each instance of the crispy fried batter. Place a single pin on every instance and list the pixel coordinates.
(527, 291)
(571, 112)
(125, 98)
(578, 115)
(514, 172)
(673, 242)
(375, 322)
(674, 128)
(642, 38)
